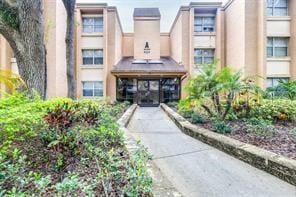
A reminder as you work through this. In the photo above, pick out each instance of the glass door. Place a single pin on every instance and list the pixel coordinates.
(148, 92)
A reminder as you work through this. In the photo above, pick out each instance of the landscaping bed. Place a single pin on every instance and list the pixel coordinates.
(64, 147)
(275, 164)
(225, 102)
(281, 140)
(278, 137)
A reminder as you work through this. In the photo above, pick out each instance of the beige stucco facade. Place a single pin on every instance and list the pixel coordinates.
(147, 30)
(238, 40)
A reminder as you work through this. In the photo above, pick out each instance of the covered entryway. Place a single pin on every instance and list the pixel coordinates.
(148, 83)
(148, 92)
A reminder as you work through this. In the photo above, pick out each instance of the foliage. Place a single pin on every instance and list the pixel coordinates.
(9, 15)
(260, 127)
(61, 117)
(20, 117)
(293, 131)
(172, 104)
(186, 113)
(185, 108)
(246, 99)
(197, 118)
(221, 127)
(138, 174)
(215, 91)
(11, 80)
(275, 110)
(63, 147)
(285, 89)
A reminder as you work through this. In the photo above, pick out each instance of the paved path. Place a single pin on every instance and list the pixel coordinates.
(197, 169)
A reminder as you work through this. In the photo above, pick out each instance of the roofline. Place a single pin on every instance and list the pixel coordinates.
(227, 4)
(195, 5)
(114, 8)
(205, 4)
(147, 18)
(153, 16)
(149, 72)
(81, 5)
(182, 8)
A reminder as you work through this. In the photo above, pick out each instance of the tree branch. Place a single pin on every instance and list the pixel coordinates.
(10, 34)
(207, 109)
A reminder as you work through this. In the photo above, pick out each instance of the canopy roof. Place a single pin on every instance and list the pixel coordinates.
(166, 65)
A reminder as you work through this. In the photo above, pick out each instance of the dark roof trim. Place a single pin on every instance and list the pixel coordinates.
(146, 12)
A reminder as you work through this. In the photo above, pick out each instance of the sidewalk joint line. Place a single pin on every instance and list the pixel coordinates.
(180, 154)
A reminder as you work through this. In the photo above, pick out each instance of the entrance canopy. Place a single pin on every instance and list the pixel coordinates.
(165, 66)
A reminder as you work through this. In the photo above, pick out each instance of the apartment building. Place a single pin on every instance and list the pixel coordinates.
(257, 37)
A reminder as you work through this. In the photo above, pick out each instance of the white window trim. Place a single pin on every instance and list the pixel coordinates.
(93, 32)
(202, 25)
(202, 56)
(273, 47)
(93, 89)
(274, 7)
(92, 65)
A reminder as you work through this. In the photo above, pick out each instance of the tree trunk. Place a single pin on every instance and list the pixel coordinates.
(207, 110)
(71, 78)
(229, 101)
(27, 42)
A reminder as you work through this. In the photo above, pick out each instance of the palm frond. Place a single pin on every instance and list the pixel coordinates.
(11, 80)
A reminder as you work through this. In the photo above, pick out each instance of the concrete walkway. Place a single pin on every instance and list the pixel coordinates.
(197, 169)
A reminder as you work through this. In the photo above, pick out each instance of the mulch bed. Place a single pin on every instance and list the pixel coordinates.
(282, 141)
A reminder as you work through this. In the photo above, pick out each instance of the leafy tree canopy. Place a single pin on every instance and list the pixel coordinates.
(8, 14)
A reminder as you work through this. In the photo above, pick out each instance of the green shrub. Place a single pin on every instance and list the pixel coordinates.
(216, 90)
(14, 100)
(275, 110)
(172, 104)
(21, 117)
(186, 113)
(260, 127)
(293, 132)
(285, 89)
(221, 127)
(142, 184)
(197, 118)
(43, 141)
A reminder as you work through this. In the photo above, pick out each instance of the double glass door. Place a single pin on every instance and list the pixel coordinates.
(148, 92)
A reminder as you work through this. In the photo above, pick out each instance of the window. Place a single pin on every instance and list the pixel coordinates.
(274, 81)
(204, 24)
(277, 47)
(92, 57)
(277, 7)
(203, 56)
(170, 90)
(92, 24)
(92, 89)
(126, 89)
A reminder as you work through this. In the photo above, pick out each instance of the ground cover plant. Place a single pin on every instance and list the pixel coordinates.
(224, 102)
(64, 147)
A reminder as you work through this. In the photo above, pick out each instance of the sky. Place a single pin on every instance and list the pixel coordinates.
(168, 10)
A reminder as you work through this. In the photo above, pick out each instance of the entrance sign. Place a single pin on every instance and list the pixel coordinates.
(147, 48)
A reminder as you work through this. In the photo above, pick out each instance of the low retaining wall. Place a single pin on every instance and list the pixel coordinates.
(161, 185)
(126, 117)
(277, 165)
